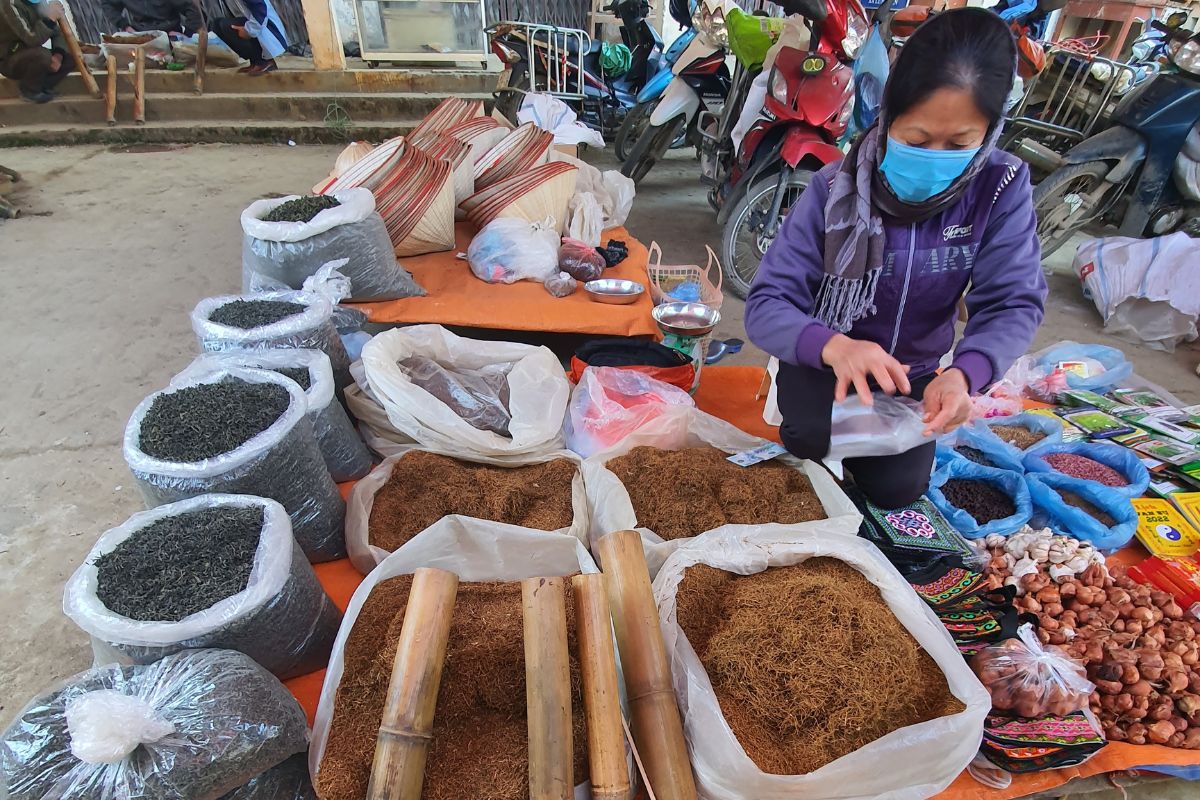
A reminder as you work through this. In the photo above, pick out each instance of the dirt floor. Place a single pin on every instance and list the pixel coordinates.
(115, 247)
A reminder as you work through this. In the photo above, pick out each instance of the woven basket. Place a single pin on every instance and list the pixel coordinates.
(664, 279)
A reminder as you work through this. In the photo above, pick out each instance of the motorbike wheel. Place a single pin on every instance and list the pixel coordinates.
(652, 146)
(1057, 203)
(637, 119)
(743, 242)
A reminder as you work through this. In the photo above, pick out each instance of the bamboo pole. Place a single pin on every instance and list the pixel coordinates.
(548, 689)
(407, 725)
(139, 85)
(657, 728)
(201, 61)
(601, 695)
(110, 90)
(89, 81)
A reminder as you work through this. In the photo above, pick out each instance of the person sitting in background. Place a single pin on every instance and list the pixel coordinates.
(259, 39)
(25, 27)
(177, 17)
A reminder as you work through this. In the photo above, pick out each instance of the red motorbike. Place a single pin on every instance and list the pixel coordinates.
(809, 100)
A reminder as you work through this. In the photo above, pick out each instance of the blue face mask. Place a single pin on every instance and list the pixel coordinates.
(918, 173)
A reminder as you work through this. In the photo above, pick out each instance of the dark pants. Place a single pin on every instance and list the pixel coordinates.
(30, 66)
(806, 403)
(249, 49)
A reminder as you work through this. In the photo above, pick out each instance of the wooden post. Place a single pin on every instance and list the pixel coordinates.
(601, 695)
(139, 86)
(110, 90)
(201, 60)
(323, 35)
(89, 81)
(548, 689)
(657, 728)
(407, 725)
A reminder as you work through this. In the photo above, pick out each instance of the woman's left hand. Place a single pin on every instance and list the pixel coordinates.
(947, 402)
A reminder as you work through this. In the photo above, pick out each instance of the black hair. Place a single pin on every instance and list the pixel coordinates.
(967, 48)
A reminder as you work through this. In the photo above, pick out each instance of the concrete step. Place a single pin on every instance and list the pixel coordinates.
(170, 107)
(365, 81)
(210, 131)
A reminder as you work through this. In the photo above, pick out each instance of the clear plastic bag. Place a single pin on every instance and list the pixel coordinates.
(612, 510)
(312, 329)
(561, 285)
(282, 619)
(580, 260)
(1031, 680)
(1121, 459)
(890, 426)
(395, 409)
(479, 396)
(287, 781)
(366, 556)
(508, 250)
(1009, 482)
(1104, 367)
(282, 255)
(610, 402)
(345, 454)
(230, 720)
(1052, 511)
(282, 463)
(885, 767)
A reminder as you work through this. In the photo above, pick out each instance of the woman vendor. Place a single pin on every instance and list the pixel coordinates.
(860, 289)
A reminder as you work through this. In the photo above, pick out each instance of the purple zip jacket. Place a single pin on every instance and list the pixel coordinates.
(987, 240)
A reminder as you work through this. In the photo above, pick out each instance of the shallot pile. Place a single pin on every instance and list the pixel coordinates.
(1137, 644)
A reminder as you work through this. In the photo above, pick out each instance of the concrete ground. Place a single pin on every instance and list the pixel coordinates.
(114, 249)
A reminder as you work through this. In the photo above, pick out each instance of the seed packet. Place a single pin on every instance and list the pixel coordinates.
(1070, 432)
(1169, 422)
(1084, 398)
(1096, 423)
(1143, 398)
(1171, 452)
(1189, 504)
(1130, 439)
(1163, 530)
(1166, 485)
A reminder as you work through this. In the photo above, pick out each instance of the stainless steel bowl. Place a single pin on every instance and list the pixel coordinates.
(614, 291)
(686, 319)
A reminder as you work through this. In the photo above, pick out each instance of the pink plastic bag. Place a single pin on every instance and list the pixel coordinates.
(610, 403)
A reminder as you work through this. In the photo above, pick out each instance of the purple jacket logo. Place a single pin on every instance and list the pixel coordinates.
(956, 232)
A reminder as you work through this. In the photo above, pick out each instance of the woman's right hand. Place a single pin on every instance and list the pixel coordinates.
(854, 362)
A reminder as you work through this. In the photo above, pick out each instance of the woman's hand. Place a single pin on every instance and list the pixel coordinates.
(854, 362)
(947, 402)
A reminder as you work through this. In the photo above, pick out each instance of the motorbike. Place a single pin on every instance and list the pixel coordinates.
(699, 76)
(809, 101)
(638, 117)
(1136, 173)
(542, 58)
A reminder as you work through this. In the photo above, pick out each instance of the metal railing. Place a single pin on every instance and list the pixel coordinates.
(556, 56)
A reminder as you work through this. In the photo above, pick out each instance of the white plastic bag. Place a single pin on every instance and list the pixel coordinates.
(230, 720)
(538, 392)
(892, 425)
(1146, 290)
(585, 218)
(282, 619)
(473, 550)
(282, 463)
(123, 46)
(612, 510)
(911, 763)
(508, 250)
(551, 114)
(609, 403)
(366, 556)
(345, 455)
(282, 255)
(610, 190)
(218, 53)
(312, 329)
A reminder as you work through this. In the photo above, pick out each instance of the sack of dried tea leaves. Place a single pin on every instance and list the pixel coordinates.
(240, 431)
(283, 254)
(196, 724)
(343, 450)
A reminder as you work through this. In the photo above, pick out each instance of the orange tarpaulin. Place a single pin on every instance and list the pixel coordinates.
(457, 297)
(728, 393)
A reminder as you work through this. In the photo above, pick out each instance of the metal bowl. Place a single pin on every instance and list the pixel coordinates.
(686, 319)
(614, 291)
